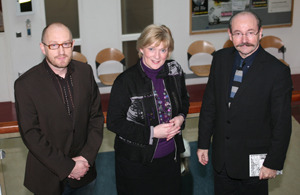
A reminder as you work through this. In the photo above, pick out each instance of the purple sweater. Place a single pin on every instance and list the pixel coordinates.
(164, 147)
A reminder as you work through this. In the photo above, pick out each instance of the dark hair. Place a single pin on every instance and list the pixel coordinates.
(258, 20)
(56, 24)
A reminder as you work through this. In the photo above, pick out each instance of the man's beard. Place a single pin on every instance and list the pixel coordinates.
(56, 65)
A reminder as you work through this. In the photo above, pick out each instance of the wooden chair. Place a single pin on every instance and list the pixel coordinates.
(79, 57)
(106, 55)
(228, 43)
(275, 42)
(200, 47)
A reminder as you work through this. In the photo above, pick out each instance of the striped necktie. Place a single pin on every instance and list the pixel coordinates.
(237, 80)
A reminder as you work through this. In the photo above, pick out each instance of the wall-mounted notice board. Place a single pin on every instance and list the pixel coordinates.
(212, 16)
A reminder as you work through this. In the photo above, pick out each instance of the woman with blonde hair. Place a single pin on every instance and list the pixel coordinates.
(147, 109)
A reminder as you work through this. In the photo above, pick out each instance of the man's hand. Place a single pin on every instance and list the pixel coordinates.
(266, 173)
(80, 169)
(202, 156)
(79, 158)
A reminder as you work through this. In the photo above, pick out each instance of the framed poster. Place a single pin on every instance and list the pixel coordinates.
(1, 18)
(212, 16)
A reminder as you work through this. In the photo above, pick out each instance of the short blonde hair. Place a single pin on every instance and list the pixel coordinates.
(155, 34)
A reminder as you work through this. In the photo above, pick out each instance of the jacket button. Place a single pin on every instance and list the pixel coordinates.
(227, 137)
(74, 130)
(228, 122)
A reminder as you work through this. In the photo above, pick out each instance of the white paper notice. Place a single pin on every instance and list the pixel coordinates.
(240, 5)
(279, 6)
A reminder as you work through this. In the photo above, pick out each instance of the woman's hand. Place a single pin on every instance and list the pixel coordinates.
(162, 130)
(177, 122)
(169, 130)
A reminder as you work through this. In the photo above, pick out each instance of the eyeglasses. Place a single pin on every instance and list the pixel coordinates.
(56, 45)
(249, 34)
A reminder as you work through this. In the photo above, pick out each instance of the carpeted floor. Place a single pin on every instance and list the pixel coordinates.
(198, 180)
(106, 182)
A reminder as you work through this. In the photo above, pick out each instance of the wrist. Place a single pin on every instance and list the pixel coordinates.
(180, 114)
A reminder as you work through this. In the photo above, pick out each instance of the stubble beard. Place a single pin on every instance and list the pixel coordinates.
(53, 63)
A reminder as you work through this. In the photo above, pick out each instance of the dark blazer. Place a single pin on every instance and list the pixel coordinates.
(258, 120)
(48, 131)
(132, 110)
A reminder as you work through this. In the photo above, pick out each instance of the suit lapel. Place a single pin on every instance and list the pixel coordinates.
(255, 69)
(76, 90)
(52, 95)
(227, 73)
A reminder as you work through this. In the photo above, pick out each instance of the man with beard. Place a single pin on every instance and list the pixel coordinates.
(246, 108)
(60, 119)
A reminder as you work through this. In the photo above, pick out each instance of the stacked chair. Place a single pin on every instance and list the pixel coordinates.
(200, 47)
(275, 42)
(106, 55)
(79, 57)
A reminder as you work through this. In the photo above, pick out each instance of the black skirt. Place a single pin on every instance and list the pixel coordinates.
(161, 177)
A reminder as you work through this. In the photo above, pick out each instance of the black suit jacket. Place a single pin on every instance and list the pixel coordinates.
(48, 131)
(258, 120)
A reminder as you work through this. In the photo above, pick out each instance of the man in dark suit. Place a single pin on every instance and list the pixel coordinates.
(246, 108)
(60, 118)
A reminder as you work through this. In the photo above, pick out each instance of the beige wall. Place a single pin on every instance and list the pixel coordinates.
(100, 27)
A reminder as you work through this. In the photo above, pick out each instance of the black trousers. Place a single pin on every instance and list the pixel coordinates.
(224, 185)
(161, 177)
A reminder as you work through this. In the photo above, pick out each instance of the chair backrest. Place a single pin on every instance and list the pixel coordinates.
(228, 43)
(200, 47)
(79, 57)
(109, 54)
(271, 41)
(275, 42)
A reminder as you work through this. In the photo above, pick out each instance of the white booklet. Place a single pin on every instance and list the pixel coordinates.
(255, 162)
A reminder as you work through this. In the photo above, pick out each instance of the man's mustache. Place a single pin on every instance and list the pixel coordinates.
(63, 55)
(245, 44)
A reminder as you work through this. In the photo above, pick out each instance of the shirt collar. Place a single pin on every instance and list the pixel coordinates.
(71, 69)
(250, 58)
